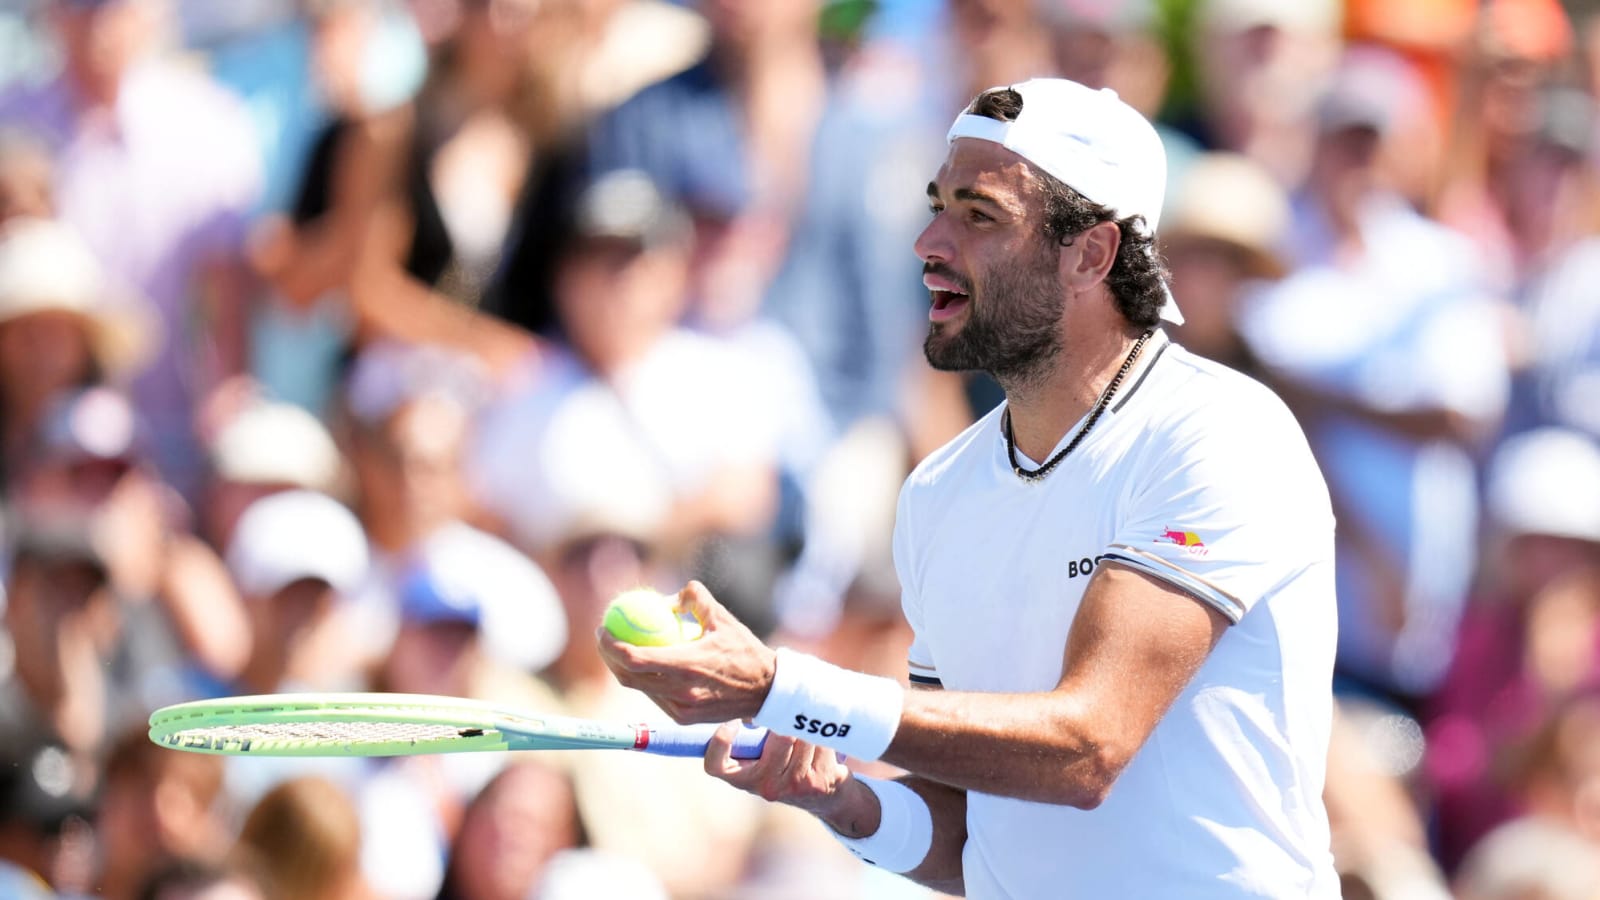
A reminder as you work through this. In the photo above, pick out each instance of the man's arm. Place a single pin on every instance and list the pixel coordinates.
(814, 779)
(1135, 644)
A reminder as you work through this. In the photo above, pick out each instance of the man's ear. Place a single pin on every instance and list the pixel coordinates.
(1089, 258)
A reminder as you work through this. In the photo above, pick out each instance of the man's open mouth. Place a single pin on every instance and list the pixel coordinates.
(948, 297)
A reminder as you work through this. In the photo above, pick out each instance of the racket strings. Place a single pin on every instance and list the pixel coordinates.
(328, 732)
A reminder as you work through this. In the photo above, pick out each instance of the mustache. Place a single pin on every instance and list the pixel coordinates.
(946, 272)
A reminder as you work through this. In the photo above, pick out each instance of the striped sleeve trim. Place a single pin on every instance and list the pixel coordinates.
(920, 674)
(1190, 583)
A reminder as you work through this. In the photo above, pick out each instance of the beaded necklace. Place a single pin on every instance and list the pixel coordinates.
(1094, 416)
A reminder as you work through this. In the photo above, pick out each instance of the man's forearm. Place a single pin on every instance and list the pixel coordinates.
(1029, 746)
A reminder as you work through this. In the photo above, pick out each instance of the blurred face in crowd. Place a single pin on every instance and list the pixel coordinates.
(1562, 776)
(1115, 55)
(409, 469)
(491, 49)
(1209, 274)
(1548, 196)
(102, 39)
(296, 635)
(587, 572)
(155, 806)
(617, 297)
(511, 831)
(432, 658)
(733, 260)
(63, 622)
(25, 180)
(1562, 620)
(42, 354)
(991, 269)
(1529, 563)
(746, 24)
(1249, 68)
(1345, 168)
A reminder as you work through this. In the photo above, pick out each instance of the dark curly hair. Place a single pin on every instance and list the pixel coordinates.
(1138, 277)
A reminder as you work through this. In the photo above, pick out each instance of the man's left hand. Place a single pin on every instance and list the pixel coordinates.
(722, 676)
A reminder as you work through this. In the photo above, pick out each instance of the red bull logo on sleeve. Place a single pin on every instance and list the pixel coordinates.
(1185, 539)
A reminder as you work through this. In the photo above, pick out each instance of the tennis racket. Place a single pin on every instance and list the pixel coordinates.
(408, 725)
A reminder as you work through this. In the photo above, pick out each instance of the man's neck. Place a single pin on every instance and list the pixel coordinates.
(1043, 408)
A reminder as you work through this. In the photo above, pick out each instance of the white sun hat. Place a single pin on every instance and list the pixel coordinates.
(294, 535)
(1090, 141)
(46, 267)
(1547, 482)
(270, 442)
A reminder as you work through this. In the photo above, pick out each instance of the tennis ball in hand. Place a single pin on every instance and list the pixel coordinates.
(646, 618)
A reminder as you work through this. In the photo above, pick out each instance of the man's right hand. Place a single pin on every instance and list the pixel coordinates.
(801, 775)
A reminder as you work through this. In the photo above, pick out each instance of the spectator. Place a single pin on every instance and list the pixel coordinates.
(307, 837)
(1220, 235)
(1401, 378)
(411, 806)
(1260, 64)
(88, 480)
(58, 614)
(1530, 858)
(1114, 44)
(693, 839)
(1528, 639)
(261, 449)
(1518, 48)
(26, 177)
(155, 806)
(294, 555)
(1380, 842)
(409, 415)
(137, 139)
(62, 327)
(1556, 335)
(1550, 852)
(522, 838)
(42, 807)
(630, 392)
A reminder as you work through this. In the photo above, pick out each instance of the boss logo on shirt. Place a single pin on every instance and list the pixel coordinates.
(1076, 567)
(817, 726)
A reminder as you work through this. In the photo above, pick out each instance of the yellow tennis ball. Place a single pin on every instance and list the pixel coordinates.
(644, 617)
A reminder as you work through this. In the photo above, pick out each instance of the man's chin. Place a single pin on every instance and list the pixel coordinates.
(945, 352)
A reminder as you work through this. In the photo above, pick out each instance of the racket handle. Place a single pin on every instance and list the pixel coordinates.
(691, 740)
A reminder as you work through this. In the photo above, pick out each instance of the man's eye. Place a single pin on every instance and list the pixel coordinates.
(934, 209)
(977, 216)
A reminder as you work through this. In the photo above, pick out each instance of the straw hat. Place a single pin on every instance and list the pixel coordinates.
(1227, 197)
(46, 267)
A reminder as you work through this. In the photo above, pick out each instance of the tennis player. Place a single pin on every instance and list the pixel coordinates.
(1120, 582)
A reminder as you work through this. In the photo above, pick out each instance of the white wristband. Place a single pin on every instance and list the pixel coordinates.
(815, 701)
(905, 828)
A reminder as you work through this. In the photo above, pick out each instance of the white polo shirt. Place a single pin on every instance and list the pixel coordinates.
(1198, 476)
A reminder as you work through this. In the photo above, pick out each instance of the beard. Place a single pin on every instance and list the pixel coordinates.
(1012, 331)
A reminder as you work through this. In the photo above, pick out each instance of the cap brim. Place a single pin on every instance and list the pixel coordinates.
(1169, 308)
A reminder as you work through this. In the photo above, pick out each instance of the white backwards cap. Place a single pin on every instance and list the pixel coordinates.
(1089, 140)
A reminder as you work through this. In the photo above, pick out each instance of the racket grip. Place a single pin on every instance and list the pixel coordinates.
(691, 740)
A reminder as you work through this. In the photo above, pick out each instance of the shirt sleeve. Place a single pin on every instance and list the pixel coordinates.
(1233, 507)
(920, 667)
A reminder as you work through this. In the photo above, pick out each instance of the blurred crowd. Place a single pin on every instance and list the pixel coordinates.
(375, 344)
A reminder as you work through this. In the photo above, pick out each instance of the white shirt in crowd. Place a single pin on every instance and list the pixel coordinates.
(1196, 476)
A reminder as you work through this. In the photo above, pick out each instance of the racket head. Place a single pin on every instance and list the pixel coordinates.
(367, 724)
